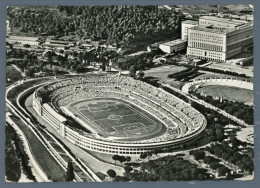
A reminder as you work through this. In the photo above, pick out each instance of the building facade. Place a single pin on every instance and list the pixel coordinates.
(185, 25)
(218, 39)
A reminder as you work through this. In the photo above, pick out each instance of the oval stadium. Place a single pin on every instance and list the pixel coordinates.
(117, 114)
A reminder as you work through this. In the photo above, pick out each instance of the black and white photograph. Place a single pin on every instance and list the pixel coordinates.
(126, 93)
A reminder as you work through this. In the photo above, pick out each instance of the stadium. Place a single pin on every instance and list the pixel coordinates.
(117, 115)
(233, 89)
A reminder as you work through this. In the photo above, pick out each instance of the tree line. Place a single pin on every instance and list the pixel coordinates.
(238, 109)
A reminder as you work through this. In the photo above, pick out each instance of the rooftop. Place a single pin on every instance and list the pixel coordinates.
(212, 30)
(174, 42)
(190, 22)
(58, 41)
(224, 20)
(12, 37)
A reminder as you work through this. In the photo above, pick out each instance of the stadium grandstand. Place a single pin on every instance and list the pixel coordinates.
(117, 114)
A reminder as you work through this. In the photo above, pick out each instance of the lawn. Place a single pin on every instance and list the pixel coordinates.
(229, 93)
(111, 117)
(162, 72)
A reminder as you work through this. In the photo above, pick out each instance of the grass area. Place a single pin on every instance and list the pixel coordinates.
(117, 118)
(57, 147)
(49, 165)
(228, 92)
(46, 136)
(12, 74)
(65, 157)
(12, 163)
(161, 73)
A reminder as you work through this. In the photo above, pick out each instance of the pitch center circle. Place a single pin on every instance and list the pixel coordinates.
(115, 117)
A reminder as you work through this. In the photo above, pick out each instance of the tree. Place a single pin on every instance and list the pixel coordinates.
(128, 169)
(111, 173)
(70, 172)
(115, 158)
(128, 159)
(222, 171)
(142, 167)
(55, 71)
(122, 159)
(214, 165)
(157, 150)
(140, 75)
(143, 155)
(208, 159)
(132, 71)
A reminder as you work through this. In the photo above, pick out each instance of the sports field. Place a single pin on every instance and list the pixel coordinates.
(116, 119)
(228, 92)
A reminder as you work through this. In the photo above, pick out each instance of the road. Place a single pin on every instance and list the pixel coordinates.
(38, 172)
(36, 169)
(18, 69)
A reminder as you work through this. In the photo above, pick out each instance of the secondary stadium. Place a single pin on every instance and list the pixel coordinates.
(117, 114)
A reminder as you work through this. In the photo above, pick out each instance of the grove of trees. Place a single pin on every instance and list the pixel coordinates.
(122, 25)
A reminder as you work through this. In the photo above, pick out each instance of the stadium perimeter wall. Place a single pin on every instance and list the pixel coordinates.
(232, 82)
(86, 141)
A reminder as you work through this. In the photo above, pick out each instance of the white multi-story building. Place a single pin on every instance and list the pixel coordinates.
(218, 39)
(173, 46)
(220, 23)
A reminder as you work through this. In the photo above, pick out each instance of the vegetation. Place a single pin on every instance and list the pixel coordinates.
(123, 25)
(12, 75)
(13, 155)
(185, 74)
(111, 173)
(167, 168)
(70, 172)
(232, 155)
(121, 159)
(238, 109)
(138, 62)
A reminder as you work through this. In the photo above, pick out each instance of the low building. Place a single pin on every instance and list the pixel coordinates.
(34, 41)
(173, 46)
(58, 43)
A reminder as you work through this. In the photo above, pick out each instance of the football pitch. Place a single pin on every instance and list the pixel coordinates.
(116, 118)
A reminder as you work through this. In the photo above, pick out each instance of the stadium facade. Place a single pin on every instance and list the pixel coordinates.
(184, 125)
(217, 39)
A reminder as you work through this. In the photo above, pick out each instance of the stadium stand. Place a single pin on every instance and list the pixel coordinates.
(183, 124)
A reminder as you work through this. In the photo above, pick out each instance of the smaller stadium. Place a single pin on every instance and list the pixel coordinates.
(228, 88)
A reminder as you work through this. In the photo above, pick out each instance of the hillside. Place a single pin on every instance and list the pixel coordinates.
(124, 25)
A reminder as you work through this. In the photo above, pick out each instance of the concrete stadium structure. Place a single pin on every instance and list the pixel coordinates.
(184, 124)
(233, 82)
